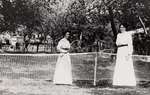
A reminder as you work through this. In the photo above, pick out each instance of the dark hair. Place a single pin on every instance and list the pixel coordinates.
(64, 33)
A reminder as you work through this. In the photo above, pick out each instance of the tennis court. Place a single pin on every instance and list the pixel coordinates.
(31, 74)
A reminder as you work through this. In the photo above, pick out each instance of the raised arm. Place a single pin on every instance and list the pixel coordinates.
(140, 30)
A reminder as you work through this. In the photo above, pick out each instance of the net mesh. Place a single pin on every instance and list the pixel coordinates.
(107, 61)
(42, 66)
(27, 66)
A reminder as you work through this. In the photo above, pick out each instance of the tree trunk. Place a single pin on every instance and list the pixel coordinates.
(53, 43)
(113, 26)
(37, 49)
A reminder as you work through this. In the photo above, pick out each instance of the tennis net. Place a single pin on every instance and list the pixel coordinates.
(94, 66)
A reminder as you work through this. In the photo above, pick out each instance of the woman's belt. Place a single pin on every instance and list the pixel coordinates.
(122, 45)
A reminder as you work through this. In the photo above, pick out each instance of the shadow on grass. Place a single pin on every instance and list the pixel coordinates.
(144, 84)
(90, 83)
(107, 83)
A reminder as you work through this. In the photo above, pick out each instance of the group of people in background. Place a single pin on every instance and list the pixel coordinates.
(9, 39)
(14, 41)
(124, 74)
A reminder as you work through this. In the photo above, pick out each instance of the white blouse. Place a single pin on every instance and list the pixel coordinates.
(63, 43)
(125, 38)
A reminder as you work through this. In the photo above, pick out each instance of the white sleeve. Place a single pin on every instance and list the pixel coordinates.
(140, 30)
(118, 40)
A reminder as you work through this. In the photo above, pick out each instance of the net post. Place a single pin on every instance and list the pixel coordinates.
(96, 59)
(95, 69)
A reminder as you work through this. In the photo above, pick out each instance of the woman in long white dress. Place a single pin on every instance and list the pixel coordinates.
(63, 71)
(124, 74)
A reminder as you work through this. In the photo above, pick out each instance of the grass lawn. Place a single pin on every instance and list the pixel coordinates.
(25, 86)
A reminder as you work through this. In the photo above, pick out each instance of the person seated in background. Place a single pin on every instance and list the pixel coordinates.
(7, 38)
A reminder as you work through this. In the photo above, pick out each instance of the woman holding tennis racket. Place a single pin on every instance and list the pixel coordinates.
(124, 74)
(63, 71)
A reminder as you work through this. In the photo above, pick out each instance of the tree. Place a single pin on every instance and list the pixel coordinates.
(88, 20)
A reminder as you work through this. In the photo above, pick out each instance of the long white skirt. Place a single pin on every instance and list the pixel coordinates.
(63, 71)
(124, 74)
